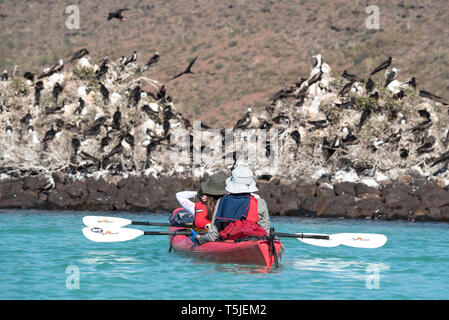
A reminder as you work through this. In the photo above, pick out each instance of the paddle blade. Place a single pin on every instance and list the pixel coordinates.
(360, 240)
(320, 242)
(105, 234)
(106, 222)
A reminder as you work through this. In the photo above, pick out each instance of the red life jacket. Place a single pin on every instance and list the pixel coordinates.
(201, 215)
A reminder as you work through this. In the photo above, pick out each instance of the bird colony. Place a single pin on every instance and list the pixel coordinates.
(90, 119)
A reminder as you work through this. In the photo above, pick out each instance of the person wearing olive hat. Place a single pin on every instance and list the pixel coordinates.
(239, 204)
(210, 191)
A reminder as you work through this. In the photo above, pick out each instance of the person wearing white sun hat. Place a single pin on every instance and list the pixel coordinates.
(239, 204)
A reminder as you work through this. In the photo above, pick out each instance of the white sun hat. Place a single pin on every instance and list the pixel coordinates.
(241, 181)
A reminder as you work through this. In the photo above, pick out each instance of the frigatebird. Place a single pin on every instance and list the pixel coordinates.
(117, 14)
(188, 70)
(154, 59)
(383, 65)
(79, 54)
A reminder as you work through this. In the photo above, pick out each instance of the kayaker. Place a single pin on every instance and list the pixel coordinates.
(210, 191)
(240, 204)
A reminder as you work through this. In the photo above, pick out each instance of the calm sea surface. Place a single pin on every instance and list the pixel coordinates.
(44, 254)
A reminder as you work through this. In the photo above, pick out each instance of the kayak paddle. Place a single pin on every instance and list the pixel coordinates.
(106, 234)
(101, 233)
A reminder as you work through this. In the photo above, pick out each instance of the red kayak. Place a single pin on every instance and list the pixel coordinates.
(257, 252)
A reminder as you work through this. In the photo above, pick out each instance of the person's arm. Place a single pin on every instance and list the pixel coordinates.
(264, 217)
(212, 233)
(183, 199)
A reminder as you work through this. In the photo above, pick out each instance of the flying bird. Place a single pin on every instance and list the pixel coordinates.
(383, 65)
(188, 70)
(117, 14)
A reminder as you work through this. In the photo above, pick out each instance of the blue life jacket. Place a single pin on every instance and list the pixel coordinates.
(234, 207)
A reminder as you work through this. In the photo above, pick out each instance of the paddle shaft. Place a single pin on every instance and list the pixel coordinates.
(168, 233)
(158, 224)
(302, 236)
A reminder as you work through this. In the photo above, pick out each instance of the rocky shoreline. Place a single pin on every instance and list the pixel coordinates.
(407, 198)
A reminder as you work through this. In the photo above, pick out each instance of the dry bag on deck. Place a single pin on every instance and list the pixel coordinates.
(242, 229)
(181, 218)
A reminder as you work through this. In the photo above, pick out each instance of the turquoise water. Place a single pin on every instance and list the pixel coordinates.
(41, 252)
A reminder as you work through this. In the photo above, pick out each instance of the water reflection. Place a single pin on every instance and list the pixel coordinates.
(339, 268)
(247, 269)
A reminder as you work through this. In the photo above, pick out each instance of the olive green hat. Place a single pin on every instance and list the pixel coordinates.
(215, 185)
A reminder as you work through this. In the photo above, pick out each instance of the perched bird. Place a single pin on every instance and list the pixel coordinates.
(187, 70)
(346, 105)
(103, 68)
(49, 71)
(351, 77)
(134, 96)
(431, 96)
(283, 93)
(390, 76)
(104, 92)
(57, 89)
(346, 88)
(30, 128)
(29, 76)
(132, 58)
(79, 54)
(116, 117)
(79, 107)
(5, 76)
(8, 128)
(411, 83)
(369, 85)
(50, 134)
(245, 121)
(160, 94)
(76, 144)
(424, 113)
(105, 141)
(117, 14)
(443, 157)
(427, 145)
(403, 153)
(364, 116)
(383, 65)
(317, 61)
(153, 60)
(26, 118)
(296, 136)
(38, 87)
(300, 82)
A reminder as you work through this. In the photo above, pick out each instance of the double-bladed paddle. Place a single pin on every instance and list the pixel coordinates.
(109, 229)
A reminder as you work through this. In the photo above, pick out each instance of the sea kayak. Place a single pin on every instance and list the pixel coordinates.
(257, 252)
